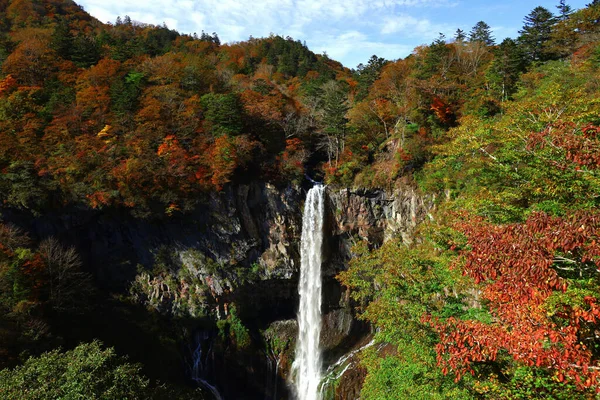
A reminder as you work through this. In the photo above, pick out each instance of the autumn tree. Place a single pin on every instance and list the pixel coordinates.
(523, 269)
(32, 62)
(93, 91)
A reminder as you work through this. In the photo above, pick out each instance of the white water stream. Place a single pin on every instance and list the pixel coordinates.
(199, 368)
(306, 368)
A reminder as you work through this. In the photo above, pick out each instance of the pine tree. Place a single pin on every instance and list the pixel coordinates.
(334, 120)
(536, 33)
(504, 72)
(460, 35)
(482, 32)
(367, 74)
(434, 60)
(62, 39)
(564, 10)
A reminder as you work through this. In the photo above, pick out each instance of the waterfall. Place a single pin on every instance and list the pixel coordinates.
(332, 375)
(306, 368)
(198, 369)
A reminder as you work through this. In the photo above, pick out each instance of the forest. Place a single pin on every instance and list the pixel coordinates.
(498, 296)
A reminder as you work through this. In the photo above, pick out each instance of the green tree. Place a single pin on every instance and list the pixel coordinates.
(506, 68)
(85, 51)
(62, 39)
(394, 287)
(536, 33)
(564, 10)
(124, 93)
(222, 113)
(435, 58)
(460, 35)
(482, 32)
(334, 120)
(86, 372)
(367, 74)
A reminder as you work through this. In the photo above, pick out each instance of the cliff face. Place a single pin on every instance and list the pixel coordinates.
(241, 248)
(374, 216)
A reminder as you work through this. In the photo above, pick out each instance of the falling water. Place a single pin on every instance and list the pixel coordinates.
(307, 364)
(198, 368)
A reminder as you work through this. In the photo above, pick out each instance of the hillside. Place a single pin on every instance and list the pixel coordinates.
(139, 116)
(126, 132)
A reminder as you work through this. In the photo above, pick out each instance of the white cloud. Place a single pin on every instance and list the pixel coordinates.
(412, 27)
(354, 47)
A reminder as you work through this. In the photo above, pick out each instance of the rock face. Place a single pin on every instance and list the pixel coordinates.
(374, 216)
(242, 248)
(242, 225)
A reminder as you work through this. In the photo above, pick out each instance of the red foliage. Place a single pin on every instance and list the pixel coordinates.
(582, 145)
(514, 264)
(442, 110)
(294, 156)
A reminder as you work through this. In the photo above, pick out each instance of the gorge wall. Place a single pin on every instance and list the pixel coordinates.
(236, 260)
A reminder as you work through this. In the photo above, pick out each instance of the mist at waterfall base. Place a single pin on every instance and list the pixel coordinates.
(306, 369)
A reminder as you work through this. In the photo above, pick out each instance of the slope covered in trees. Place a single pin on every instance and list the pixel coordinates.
(139, 116)
(498, 297)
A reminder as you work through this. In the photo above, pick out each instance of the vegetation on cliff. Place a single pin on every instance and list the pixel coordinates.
(496, 299)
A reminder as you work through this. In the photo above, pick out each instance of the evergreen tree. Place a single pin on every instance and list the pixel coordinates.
(85, 51)
(223, 113)
(482, 32)
(62, 39)
(367, 74)
(564, 10)
(434, 59)
(460, 35)
(334, 120)
(536, 33)
(504, 72)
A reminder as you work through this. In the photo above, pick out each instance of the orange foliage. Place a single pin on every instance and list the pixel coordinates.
(267, 107)
(98, 199)
(93, 89)
(25, 11)
(32, 62)
(442, 111)
(226, 155)
(7, 84)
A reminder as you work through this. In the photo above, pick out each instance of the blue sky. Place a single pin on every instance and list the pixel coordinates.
(349, 31)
